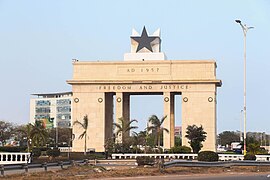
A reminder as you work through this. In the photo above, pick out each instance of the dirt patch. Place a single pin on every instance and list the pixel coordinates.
(90, 172)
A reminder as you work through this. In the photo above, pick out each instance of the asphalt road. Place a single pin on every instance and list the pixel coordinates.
(235, 176)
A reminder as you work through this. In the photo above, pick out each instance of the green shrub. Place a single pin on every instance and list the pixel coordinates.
(250, 157)
(39, 151)
(136, 150)
(209, 156)
(36, 152)
(263, 151)
(53, 152)
(95, 156)
(145, 160)
(158, 150)
(12, 148)
(180, 149)
(43, 148)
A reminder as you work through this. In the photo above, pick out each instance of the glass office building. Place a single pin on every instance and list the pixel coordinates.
(52, 109)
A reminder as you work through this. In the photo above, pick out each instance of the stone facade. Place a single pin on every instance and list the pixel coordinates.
(95, 83)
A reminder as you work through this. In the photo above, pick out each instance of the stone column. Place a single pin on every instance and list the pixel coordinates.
(169, 123)
(92, 105)
(122, 109)
(108, 115)
(199, 108)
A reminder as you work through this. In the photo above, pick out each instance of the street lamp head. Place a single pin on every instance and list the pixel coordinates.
(238, 21)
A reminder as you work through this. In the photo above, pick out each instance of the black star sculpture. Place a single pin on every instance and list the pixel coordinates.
(144, 41)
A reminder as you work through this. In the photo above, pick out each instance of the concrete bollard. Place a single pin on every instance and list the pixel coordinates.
(45, 166)
(2, 169)
(72, 162)
(25, 166)
(61, 164)
(86, 161)
(161, 164)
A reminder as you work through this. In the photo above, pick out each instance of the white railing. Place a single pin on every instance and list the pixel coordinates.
(262, 157)
(231, 157)
(14, 158)
(65, 149)
(165, 156)
(222, 157)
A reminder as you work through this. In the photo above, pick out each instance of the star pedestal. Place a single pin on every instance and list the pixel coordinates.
(144, 47)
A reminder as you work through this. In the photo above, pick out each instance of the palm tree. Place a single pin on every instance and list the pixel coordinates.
(196, 136)
(26, 131)
(135, 141)
(84, 125)
(253, 148)
(123, 128)
(39, 134)
(143, 138)
(156, 127)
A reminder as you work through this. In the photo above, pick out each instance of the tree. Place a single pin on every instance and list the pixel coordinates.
(135, 141)
(64, 136)
(109, 146)
(196, 136)
(39, 134)
(84, 125)
(157, 127)
(227, 137)
(35, 134)
(6, 131)
(178, 141)
(151, 140)
(26, 131)
(123, 129)
(143, 139)
(250, 140)
(253, 148)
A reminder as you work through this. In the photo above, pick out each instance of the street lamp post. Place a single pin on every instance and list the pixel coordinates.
(241, 121)
(245, 29)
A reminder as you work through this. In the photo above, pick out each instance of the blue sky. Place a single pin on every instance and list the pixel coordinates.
(39, 39)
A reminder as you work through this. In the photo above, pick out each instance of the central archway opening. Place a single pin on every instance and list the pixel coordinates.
(143, 106)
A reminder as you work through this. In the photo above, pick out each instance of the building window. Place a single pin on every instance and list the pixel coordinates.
(63, 116)
(43, 110)
(43, 103)
(63, 109)
(42, 116)
(63, 102)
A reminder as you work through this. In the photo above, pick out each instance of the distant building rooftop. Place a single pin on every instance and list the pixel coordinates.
(52, 95)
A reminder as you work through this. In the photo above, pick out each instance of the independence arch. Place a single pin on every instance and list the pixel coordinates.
(95, 83)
